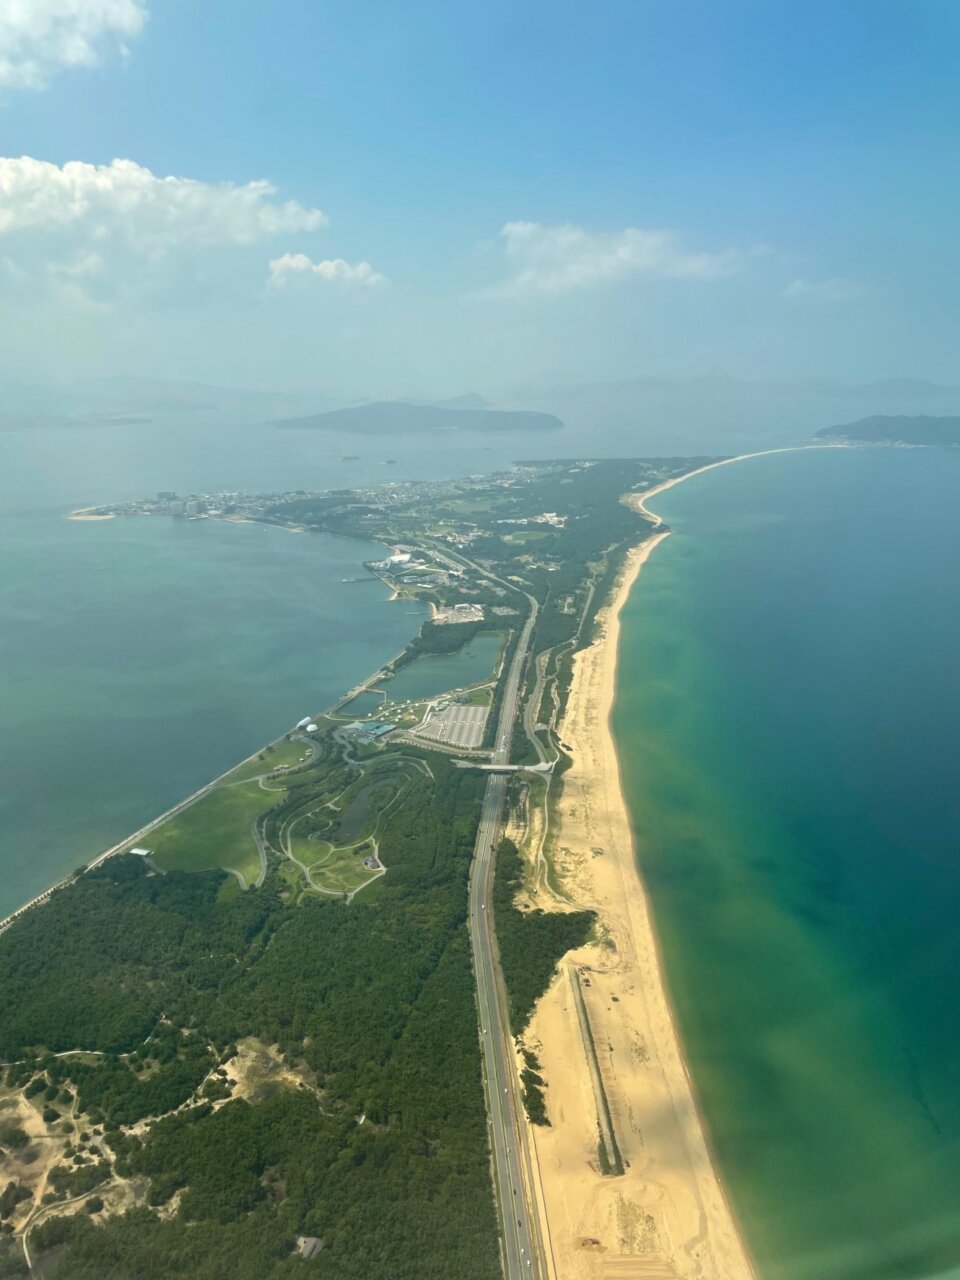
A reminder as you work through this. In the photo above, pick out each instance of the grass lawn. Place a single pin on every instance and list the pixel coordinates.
(468, 506)
(479, 697)
(341, 871)
(214, 832)
(526, 535)
(284, 753)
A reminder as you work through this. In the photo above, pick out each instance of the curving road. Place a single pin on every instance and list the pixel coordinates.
(520, 1232)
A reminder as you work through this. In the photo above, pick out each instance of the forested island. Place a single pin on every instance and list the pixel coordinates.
(920, 429)
(386, 417)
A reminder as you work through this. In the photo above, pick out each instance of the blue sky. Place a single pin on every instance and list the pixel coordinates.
(744, 186)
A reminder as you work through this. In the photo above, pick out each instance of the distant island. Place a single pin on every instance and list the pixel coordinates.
(387, 416)
(898, 429)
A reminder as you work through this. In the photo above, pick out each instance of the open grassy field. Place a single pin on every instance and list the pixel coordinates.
(341, 870)
(335, 869)
(214, 832)
(478, 697)
(526, 535)
(283, 753)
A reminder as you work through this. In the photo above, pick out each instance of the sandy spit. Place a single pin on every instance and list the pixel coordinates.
(89, 513)
(667, 1216)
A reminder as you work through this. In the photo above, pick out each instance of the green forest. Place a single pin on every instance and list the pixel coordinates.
(384, 1158)
(531, 943)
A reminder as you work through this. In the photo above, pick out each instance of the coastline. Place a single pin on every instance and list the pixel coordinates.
(89, 513)
(638, 501)
(122, 845)
(668, 1215)
(43, 895)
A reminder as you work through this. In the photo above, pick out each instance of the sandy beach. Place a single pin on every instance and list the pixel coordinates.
(639, 500)
(667, 1216)
(89, 513)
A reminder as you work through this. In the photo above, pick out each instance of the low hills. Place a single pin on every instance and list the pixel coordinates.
(898, 429)
(386, 417)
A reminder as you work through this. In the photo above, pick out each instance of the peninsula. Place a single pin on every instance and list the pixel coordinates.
(282, 1030)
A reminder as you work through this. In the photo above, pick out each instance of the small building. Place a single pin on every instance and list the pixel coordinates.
(141, 853)
(310, 727)
(308, 1246)
(371, 732)
(302, 724)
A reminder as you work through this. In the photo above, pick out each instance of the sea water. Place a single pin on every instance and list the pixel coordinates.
(139, 658)
(788, 722)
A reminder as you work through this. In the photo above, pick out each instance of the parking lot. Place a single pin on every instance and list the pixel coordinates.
(457, 725)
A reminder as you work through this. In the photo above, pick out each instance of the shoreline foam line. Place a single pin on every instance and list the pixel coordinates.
(671, 1182)
(671, 1179)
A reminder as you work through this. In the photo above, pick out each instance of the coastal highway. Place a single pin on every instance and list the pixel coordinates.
(522, 1246)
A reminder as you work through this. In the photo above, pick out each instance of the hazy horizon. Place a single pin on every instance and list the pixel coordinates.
(632, 417)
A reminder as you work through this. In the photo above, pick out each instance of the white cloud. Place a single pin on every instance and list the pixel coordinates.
(836, 289)
(297, 266)
(118, 228)
(558, 259)
(125, 201)
(40, 37)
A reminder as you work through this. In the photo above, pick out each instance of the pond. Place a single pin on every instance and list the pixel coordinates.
(433, 674)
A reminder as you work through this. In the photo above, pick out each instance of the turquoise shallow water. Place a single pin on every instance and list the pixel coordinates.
(787, 718)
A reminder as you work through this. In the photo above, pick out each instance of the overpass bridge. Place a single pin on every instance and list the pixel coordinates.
(545, 766)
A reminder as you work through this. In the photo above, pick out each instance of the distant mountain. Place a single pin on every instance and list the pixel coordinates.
(470, 401)
(897, 429)
(389, 417)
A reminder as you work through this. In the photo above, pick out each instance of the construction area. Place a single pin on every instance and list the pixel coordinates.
(456, 724)
(457, 613)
